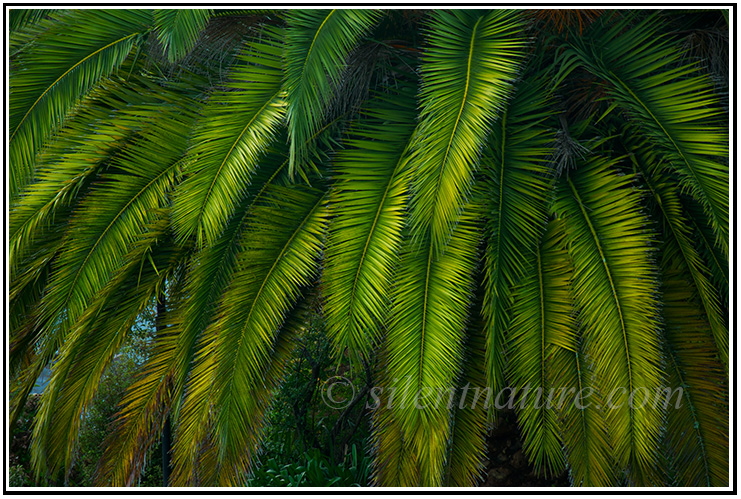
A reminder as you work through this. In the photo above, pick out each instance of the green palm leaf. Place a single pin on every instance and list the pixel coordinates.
(366, 230)
(178, 30)
(92, 344)
(673, 105)
(64, 63)
(517, 179)
(105, 225)
(318, 43)
(697, 430)
(467, 448)
(279, 259)
(678, 234)
(467, 73)
(541, 318)
(238, 125)
(615, 290)
(425, 335)
(581, 420)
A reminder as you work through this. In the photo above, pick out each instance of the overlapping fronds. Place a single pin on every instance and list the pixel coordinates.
(105, 224)
(467, 447)
(92, 344)
(179, 29)
(467, 72)
(615, 290)
(238, 124)
(318, 43)
(19, 18)
(487, 199)
(279, 258)
(424, 342)
(370, 195)
(542, 321)
(581, 420)
(673, 105)
(517, 180)
(696, 400)
(64, 63)
(677, 236)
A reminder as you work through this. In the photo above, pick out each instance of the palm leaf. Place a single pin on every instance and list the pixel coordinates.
(105, 225)
(19, 18)
(697, 417)
(581, 420)
(92, 344)
(541, 318)
(179, 29)
(516, 179)
(279, 259)
(64, 63)
(671, 104)
(318, 43)
(467, 448)
(425, 336)
(615, 289)
(365, 234)
(467, 73)
(238, 124)
(678, 233)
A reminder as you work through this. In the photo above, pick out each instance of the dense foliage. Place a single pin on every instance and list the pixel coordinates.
(489, 198)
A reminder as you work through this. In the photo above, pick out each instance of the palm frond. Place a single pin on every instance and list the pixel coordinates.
(615, 289)
(467, 447)
(366, 230)
(237, 126)
(92, 344)
(178, 29)
(424, 338)
(317, 45)
(678, 233)
(673, 105)
(467, 72)
(541, 317)
(697, 405)
(278, 260)
(19, 18)
(64, 63)
(517, 179)
(581, 418)
(104, 226)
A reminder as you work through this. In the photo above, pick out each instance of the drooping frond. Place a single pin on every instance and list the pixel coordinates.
(237, 126)
(280, 257)
(615, 289)
(671, 104)
(92, 344)
(581, 419)
(365, 235)
(467, 73)
(178, 29)
(516, 180)
(118, 110)
(677, 234)
(60, 67)
(467, 448)
(318, 43)
(542, 317)
(104, 226)
(697, 397)
(424, 342)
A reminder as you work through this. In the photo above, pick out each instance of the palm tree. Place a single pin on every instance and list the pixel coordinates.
(481, 198)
